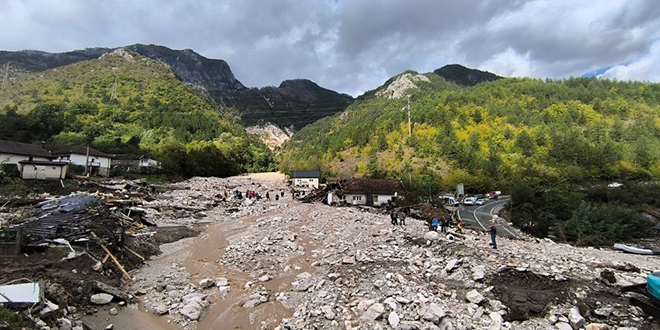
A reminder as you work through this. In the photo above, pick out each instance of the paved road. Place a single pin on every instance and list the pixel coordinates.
(478, 217)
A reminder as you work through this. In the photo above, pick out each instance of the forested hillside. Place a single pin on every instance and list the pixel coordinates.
(527, 136)
(124, 102)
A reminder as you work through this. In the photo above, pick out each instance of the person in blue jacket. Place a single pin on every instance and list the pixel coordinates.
(435, 224)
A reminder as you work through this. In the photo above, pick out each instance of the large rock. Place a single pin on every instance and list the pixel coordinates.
(101, 299)
(374, 312)
(191, 310)
(432, 313)
(393, 319)
(328, 312)
(478, 273)
(431, 236)
(577, 321)
(597, 326)
(563, 326)
(206, 283)
(474, 297)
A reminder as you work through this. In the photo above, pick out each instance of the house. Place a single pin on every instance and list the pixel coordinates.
(134, 163)
(42, 169)
(305, 179)
(98, 162)
(148, 163)
(374, 192)
(126, 162)
(13, 152)
(33, 162)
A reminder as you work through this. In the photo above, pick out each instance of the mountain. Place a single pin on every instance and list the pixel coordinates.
(125, 102)
(461, 75)
(294, 104)
(565, 130)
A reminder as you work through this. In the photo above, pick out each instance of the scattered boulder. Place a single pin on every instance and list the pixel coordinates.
(101, 299)
(474, 297)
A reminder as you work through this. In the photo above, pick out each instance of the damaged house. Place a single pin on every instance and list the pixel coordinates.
(31, 161)
(372, 192)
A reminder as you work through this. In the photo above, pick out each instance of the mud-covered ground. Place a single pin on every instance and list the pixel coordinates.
(282, 264)
(287, 265)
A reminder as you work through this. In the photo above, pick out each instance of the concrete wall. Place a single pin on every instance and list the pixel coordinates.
(382, 199)
(356, 199)
(43, 172)
(361, 199)
(306, 183)
(14, 159)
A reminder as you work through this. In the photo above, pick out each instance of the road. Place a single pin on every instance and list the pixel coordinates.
(478, 217)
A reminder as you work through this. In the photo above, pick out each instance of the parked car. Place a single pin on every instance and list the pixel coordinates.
(449, 200)
(479, 201)
(469, 201)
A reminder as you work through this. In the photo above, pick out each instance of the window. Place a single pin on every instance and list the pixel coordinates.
(357, 198)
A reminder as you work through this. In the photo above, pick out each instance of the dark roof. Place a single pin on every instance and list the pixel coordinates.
(18, 148)
(374, 186)
(42, 162)
(127, 157)
(80, 150)
(305, 174)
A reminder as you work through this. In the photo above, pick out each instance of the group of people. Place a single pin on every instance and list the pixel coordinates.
(444, 222)
(398, 218)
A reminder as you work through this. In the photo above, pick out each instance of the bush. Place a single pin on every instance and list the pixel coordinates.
(604, 225)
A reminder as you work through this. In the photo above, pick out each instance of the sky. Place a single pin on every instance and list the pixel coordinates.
(352, 46)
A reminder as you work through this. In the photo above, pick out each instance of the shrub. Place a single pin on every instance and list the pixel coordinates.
(603, 225)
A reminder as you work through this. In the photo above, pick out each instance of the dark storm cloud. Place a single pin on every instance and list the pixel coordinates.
(355, 45)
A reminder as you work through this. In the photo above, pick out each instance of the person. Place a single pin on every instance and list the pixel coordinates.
(281, 193)
(435, 224)
(277, 197)
(429, 223)
(267, 195)
(393, 217)
(493, 232)
(459, 226)
(444, 224)
(402, 218)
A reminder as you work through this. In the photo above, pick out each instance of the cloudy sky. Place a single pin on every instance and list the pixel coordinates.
(355, 45)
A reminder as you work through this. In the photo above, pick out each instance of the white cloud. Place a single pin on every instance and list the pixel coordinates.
(646, 67)
(355, 45)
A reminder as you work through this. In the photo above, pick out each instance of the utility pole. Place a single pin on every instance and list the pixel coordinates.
(87, 162)
(409, 120)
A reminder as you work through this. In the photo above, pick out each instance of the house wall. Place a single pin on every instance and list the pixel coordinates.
(306, 183)
(101, 163)
(42, 172)
(382, 199)
(356, 199)
(14, 159)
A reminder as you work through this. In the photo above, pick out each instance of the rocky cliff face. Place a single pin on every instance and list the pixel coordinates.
(294, 104)
(272, 135)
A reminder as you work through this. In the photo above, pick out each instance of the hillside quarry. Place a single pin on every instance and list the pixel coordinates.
(282, 264)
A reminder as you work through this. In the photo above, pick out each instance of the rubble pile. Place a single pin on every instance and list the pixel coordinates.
(351, 269)
(281, 264)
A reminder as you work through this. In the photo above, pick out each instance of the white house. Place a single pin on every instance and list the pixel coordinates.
(42, 170)
(305, 179)
(370, 191)
(33, 162)
(99, 162)
(13, 152)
